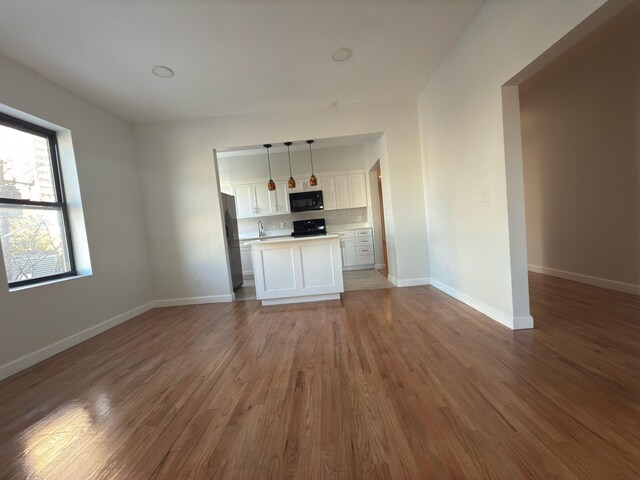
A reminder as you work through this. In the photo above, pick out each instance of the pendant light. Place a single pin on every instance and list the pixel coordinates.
(271, 186)
(292, 182)
(313, 181)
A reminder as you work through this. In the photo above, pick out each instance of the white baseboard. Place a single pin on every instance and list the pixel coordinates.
(589, 280)
(412, 282)
(514, 323)
(523, 323)
(409, 282)
(31, 359)
(178, 302)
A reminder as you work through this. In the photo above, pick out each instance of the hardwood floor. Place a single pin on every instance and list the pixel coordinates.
(394, 383)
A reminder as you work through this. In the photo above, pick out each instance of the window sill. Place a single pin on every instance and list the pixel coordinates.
(50, 282)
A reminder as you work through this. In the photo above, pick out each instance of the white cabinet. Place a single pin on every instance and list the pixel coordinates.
(364, 247)
(328, 187)
(351, 191)
(244, 200)
(357, 190)
(338, 191)
(262, 198)
(342, 192)
(280, 198)
(247, 261)
(297, 270)
(357, 249)
(255, 200)
(349, 252)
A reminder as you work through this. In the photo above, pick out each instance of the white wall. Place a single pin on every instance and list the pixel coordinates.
(182, 207)
(329, 159)
(376, 149)
(581, 152)
(34, 318)
(473, 248)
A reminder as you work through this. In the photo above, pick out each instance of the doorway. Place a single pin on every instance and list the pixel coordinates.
(377, 213)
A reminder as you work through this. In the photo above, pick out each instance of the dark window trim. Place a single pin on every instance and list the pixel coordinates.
(60, 204)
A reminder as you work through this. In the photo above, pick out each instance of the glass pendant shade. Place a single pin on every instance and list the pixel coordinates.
(271, 185)
(313, 181)
(292, 181)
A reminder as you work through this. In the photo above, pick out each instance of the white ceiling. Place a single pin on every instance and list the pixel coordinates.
(231, 57)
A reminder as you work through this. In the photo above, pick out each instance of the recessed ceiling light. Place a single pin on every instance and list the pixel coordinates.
(342, 54)
(162, 71)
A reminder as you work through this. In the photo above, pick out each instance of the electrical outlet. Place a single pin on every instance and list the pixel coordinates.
(484, 196)
(359, 218)
(197, 282)
(281, 224)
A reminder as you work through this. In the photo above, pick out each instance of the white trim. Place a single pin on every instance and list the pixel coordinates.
(31, 359)
(514, 323)
(523, 323)
(178, 302)
(409, 282)
(412, 282)
(303, 299)
(589, 280)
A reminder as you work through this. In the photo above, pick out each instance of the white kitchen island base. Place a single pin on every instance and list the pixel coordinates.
(306, 298)
(295, 270)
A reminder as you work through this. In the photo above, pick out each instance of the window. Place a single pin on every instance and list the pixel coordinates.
(34, 227)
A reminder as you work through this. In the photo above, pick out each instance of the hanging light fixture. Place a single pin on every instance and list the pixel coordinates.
(271, 185)
(313, 181)
(292, 182)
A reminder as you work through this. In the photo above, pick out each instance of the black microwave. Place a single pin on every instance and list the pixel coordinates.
(305, 201)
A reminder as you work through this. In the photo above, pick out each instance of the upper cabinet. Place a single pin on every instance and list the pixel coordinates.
(328, 187)
(255, 200)
(280, 202)
(244, 200)
(351, 191)
(338, 191)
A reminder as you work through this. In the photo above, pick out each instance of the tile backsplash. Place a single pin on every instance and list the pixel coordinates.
(332, 217)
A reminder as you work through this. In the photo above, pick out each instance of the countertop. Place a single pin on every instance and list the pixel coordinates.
(289, 238)
(287, 233)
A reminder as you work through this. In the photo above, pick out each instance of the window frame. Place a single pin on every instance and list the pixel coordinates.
(60, 204)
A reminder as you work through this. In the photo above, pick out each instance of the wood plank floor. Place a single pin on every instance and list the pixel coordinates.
(394, 383)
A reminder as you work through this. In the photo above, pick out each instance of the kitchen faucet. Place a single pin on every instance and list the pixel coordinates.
(260, 229)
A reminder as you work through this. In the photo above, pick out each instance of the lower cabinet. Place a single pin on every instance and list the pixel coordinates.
(247, 261)
(349, 256)
(290, 270)
(357, 249)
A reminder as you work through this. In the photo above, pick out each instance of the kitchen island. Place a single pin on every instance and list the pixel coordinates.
(295, 270)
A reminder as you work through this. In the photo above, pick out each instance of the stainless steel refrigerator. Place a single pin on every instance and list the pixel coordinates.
(233, 239)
